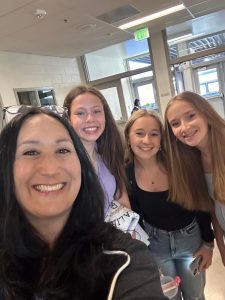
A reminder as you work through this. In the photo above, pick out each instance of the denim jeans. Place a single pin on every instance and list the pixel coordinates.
(173, 251)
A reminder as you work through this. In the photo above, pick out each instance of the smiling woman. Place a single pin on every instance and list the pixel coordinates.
(91, 118)
(176, 234)
(195, 138)
(54, 243)
(46, 170)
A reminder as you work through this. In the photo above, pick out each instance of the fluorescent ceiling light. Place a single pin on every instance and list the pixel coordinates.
(182, 37)
(153, 16)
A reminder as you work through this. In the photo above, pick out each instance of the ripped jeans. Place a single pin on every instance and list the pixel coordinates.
(173, 251)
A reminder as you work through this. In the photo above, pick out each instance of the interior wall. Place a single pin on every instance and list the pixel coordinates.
(19, 70)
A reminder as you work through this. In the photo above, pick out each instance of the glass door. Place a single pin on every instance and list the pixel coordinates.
(113, 93)
(145, 91)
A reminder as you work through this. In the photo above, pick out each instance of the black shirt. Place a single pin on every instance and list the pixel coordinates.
(162, 213)
(158, 211)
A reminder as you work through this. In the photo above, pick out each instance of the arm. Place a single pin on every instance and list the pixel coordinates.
(219, 237)
(124, 200)
(141, 279)
(206, 250)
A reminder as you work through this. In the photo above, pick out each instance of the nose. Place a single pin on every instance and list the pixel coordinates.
(89, 117)
(49, 165)
(146, 139)
(184, 125)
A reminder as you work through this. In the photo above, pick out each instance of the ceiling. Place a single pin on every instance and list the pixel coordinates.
(74, 27)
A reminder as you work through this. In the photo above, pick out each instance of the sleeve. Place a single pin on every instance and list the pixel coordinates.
(204, 222)
(141, 279)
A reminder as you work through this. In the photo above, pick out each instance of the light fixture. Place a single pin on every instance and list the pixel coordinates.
(40, 13)
(154, 16)
(184, 38)
(86, 26)
(179, 38)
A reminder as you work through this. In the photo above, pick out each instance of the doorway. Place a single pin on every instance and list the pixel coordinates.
(144, 90)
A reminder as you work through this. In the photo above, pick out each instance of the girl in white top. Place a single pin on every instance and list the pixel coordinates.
(195, 136)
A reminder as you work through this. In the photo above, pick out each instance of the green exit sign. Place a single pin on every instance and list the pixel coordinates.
(141, 34)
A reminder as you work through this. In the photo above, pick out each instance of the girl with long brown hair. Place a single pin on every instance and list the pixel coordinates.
(195, 137)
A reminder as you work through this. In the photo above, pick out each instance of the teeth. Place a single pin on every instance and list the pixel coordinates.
(188, 135)
(90, 129)
(146, 148)
(49, 188)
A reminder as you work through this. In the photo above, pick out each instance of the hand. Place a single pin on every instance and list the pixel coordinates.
(133, 234)
(206, 255)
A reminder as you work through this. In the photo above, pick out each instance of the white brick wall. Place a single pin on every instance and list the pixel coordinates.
(19, 70)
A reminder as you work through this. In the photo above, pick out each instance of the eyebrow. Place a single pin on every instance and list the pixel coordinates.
(35, 142)
(150, 131)
(154, 129)
(96, 106)
(185, 113)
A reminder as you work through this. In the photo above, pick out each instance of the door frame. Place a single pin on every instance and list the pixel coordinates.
(118, 85)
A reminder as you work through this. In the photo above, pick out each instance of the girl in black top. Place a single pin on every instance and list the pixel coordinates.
(175, 233)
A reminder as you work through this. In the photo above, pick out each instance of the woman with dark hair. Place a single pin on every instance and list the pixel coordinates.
(195, 136)
(91, 118)
(54, 243)
(176, 234)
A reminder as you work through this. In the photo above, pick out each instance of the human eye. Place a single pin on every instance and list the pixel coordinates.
(175, 123)
(30, 152)
(79, 113)
(155, 133)
(64, 150)
(97, 110)
(140, 133)
(191, 115)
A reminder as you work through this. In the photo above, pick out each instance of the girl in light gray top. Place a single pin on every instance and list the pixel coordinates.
(195, 136)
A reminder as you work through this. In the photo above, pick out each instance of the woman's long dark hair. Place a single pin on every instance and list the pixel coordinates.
(28, 266)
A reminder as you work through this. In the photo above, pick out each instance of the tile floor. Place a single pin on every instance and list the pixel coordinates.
(215, 279)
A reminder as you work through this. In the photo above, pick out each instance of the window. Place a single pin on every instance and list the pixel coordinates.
(209, 84)
(35, 97)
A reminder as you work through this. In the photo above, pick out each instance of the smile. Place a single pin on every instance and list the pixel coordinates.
(146, 148)
(90, 129)
(49, 188)
(189, 135)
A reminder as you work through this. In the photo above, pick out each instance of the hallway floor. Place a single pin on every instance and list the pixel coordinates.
(215, 279)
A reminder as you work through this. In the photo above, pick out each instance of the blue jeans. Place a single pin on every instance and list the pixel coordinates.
(173, 251)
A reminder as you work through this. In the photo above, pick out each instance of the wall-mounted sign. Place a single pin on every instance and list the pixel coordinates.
(141, 34)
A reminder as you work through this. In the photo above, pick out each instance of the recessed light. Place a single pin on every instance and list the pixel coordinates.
(40, 13)
(86, 26)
